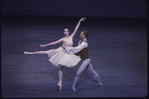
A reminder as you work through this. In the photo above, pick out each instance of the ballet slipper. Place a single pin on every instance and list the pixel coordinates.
(60, 85)
(100, 84)
(74, 89)
(27, 53)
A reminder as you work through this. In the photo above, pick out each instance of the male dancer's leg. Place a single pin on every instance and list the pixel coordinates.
(80, 70)
(90, 68)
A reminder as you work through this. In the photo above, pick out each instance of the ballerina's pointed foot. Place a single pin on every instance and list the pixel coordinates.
(60, 85)
(27, 53)
(100, 84)
(74, 89)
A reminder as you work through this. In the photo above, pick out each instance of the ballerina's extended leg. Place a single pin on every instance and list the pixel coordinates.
(37, 52)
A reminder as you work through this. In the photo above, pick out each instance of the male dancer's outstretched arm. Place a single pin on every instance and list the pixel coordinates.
(75, 49)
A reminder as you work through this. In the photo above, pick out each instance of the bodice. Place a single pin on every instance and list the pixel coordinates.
(68, 41)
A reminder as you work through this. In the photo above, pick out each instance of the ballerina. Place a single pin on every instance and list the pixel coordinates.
(59, 57)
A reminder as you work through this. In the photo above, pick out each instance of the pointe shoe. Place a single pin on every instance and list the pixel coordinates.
(100, 84)
(60, 85)
(27, 53)
(74, 89)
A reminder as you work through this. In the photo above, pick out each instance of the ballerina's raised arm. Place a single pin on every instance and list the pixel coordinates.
(61, 40)
(77, 26)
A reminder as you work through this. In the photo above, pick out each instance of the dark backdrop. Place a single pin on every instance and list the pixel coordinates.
(98, 8)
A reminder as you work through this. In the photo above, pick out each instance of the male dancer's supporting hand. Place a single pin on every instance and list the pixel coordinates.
(63, 46)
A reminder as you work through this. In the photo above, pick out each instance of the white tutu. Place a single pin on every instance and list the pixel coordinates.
(60, 57)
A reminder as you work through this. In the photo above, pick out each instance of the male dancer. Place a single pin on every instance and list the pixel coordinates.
(82, 50)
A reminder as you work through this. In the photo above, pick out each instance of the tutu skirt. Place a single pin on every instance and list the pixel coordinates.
(60, 57)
